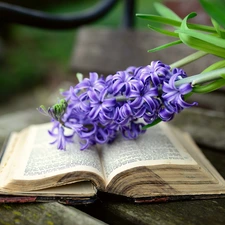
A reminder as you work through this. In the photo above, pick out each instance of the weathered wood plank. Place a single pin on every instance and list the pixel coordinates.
(108, 50)
(173, 213)
(207, 127)
(44, 214)
(193, 212)
(18, 120)
(37, 213)
(210, 101)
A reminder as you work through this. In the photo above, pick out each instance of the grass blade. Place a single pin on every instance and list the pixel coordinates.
(166, 12)
(215, 9)
(165, 46)
(176, 23)
(165, 32)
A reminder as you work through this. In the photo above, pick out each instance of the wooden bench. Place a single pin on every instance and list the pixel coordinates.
(207, 126)
(120, 212)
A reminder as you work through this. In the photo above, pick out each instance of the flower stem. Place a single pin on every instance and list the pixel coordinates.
(210, 87)
(188, 59)
(202, 78)
(121, 98)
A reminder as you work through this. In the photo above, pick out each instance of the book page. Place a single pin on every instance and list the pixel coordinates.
(41, 159)
(80, 189)
(156, 147)
(85, 188)
(7, 149)
(199, 156)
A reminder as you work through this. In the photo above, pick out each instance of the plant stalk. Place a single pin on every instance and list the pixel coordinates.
(202, 78)
(188, 59)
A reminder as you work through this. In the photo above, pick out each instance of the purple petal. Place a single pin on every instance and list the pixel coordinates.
(101, 136)
(137, 103)
(185, 89)
(94, 97)
(93, 77)
(94, 112)
(165, 114)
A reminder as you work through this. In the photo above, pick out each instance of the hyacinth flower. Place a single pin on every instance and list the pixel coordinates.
(98, 113)
(128, 102)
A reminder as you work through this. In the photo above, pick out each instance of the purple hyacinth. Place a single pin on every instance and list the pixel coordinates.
(60, 138)
(99, 103)
(173, 97)
(122, 82)
(99, 108)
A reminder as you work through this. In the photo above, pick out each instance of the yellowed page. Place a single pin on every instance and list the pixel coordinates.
(36, 159)
(200, 158)
(81, 189)
(156, 147)
(11, 156)
(44, 159)
(9, 149)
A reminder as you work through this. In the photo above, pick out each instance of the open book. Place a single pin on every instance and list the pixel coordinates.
(162, 162)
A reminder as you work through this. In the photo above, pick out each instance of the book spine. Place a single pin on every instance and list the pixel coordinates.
(62, 200)
(17, 199)
(177, 198)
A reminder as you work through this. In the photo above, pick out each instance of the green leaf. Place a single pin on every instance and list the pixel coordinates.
(191, 39)
(159, 19)
(220, 32)
(204, 37)
(43, 108)
(188, 59)
(199, 45)
(165, 46)
(175, 23)
(162, 31)
(217, 65)
(152, 124)
(79, 77)
(210, 87)
(216, 26)
(215, 9)
(166, 12)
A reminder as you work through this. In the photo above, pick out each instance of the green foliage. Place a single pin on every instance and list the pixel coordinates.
(205, 39)
(163, 31)
(161, 47)
(32, 55)
(187, 33)
(152, 124)
(215, 9)
(214, 66)
(79, 77)
(60, 108)
(200, 41)
(163, 10)
(209, 87)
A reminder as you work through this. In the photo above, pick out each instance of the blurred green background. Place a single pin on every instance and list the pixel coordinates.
(30, 56)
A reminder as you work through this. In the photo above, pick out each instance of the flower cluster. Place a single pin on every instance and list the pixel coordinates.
(97, 108)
